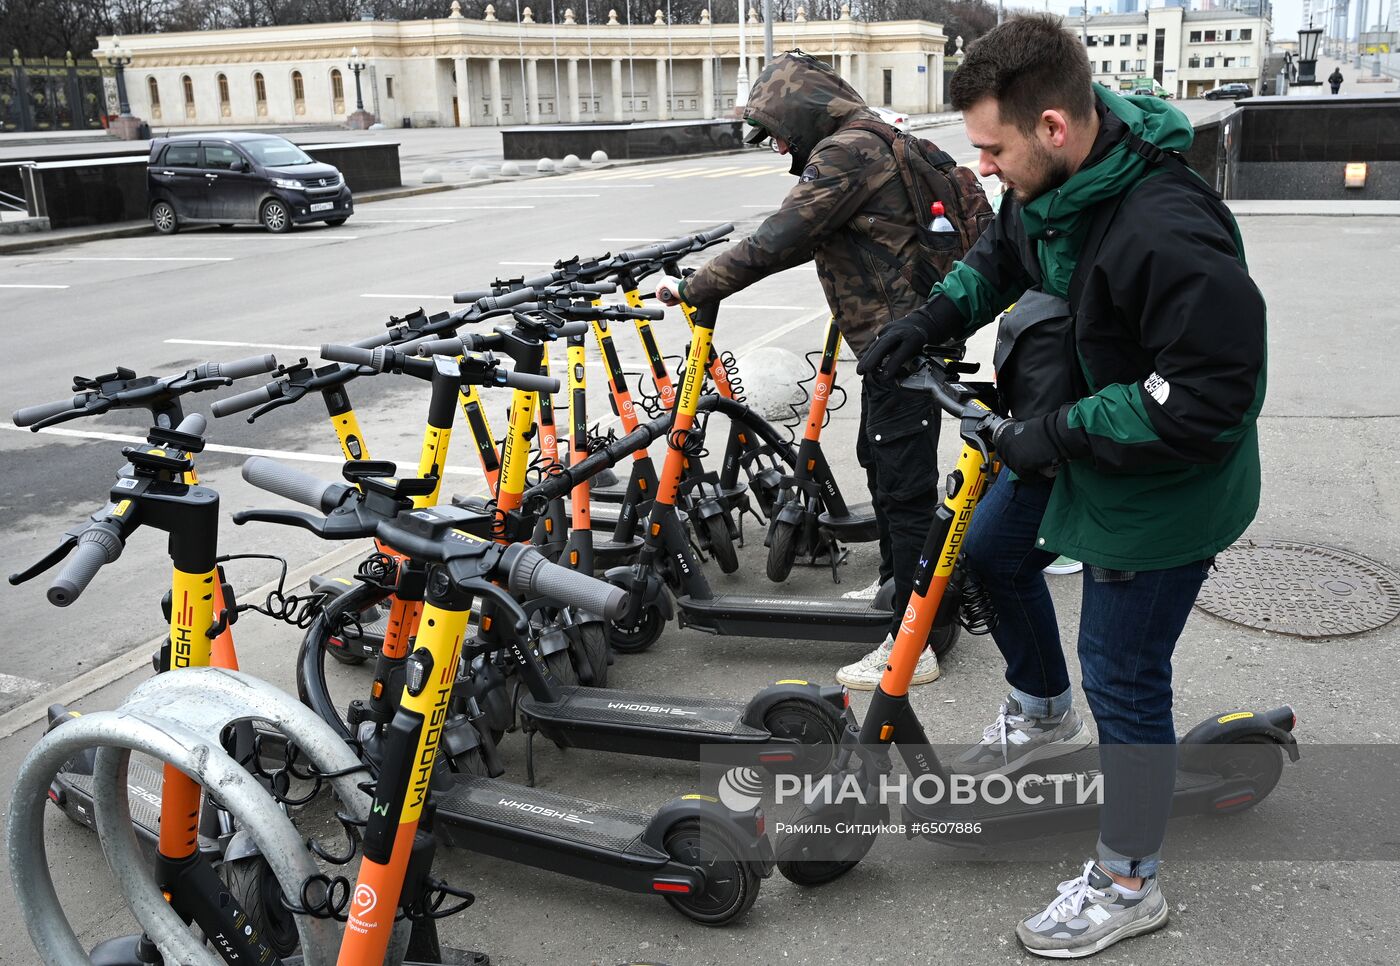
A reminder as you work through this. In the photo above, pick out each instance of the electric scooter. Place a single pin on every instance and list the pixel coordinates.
(666, 581)
(1227, 763)
(705, 859)
(811, 514)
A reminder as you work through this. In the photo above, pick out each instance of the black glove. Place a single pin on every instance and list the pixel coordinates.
(902, 340)
(1037, 446)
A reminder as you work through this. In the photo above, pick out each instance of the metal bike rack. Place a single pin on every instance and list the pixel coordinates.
(177, 718)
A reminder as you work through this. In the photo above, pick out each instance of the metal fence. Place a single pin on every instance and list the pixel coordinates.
(48, 94)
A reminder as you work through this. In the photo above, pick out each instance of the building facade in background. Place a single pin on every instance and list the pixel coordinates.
(459, 72)
(1187, 52)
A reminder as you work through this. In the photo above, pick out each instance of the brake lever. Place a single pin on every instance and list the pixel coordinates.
(481, 587)
(289, 518)
(94, 410)
(199, 385)
(70, 540)
(293, 394)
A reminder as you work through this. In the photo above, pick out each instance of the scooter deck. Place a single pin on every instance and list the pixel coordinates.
(856, 621)
(858, 525)
(608, 714)
(143, 784)
(490, 816)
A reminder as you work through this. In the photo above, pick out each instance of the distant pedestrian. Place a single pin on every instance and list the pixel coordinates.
(1336, 80)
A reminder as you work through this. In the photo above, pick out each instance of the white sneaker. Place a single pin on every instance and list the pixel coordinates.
(865, 593)
(865, 674)
(1064, 565)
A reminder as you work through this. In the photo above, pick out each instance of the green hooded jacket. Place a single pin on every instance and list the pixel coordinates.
(1171, 340)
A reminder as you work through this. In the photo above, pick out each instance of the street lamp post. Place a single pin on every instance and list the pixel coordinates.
(362, 118)
(118, 58)
(1307, 56)
(124, 126)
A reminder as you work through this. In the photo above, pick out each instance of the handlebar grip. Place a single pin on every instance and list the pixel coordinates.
(649, 312)
(440, 347)
(474, 295)
(195, 424)
(373, 358)
(594, 288)
(508, 300)
(30, 415)
(568, 329)
(529, 381)
(533, 576)
(289, 482)
(241, 368)
(96, 547)
(375, 341)
(244, 400)
(714, 234)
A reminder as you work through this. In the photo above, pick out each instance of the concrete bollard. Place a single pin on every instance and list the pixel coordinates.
(770, 377)
(599, 157)
(432, 176)
(570, 162)
(510, 169)
(545, 166)
(376, 126)
(479, 171)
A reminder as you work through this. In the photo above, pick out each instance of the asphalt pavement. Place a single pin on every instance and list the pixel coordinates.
(158, 304)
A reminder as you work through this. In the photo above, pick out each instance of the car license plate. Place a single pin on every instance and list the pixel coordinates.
(323, 206)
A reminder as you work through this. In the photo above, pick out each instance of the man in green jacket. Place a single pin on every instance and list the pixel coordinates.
(1153, 450)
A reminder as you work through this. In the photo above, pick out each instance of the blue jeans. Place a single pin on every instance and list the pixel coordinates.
(1128, 628)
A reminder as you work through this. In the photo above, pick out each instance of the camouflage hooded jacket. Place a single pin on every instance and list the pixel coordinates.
(847, 185)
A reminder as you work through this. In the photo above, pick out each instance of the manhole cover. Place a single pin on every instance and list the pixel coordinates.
(1300, 589)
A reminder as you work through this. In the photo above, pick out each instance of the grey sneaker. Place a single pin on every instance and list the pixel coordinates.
(1014, 740)
(1090, 914)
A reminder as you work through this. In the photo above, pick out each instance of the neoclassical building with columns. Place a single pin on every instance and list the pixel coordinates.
(459, 72)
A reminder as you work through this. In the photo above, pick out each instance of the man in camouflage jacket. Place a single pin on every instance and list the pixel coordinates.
(847, 206)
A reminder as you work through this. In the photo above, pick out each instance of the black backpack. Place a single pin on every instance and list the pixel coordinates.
(930, 174)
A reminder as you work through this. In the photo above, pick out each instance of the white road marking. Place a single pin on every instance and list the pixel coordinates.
(781, 308)
(463, 208)
(33, 286)
(530, 264)
(130, 258)
(286, 236)
(631, 239)
(703, 221)
(245, 345)
(277, 454)
(510, 197)
(9, 684)
(376, 295)
(589, 182)
(406, 221)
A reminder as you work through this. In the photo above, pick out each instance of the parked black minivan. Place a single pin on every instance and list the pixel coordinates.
(241, 179)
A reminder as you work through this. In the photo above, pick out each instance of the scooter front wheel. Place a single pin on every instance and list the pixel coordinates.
(808, 723)
(593, 639)
(731, 883)
(1255, 761)
(720, 543)
(782, 549)
(817, 857)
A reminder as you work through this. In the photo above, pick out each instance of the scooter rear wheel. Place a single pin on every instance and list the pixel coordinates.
(782, 549)
(813, 859)
(807, 723)
(731, 883)
(1260, 767)
(636, 638)
(252, 883)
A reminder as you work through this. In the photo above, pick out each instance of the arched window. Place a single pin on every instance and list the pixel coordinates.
(260, 94)
(153, 92)
(338, 91)
(224, 108)
(187, 86)
(298, 92)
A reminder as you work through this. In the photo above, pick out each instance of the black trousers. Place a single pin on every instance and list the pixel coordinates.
(898, 447)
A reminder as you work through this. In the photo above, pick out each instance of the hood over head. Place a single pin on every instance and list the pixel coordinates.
(801, 100)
